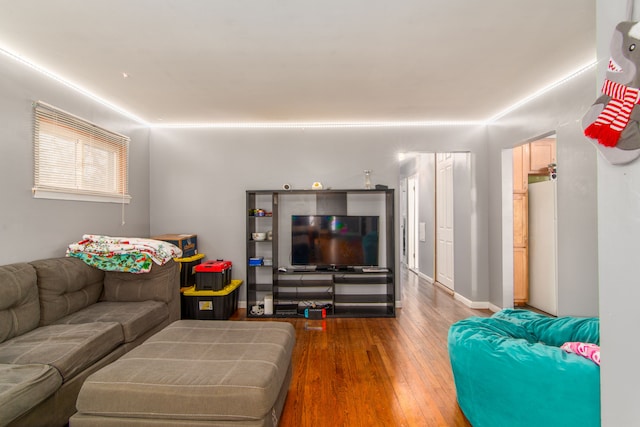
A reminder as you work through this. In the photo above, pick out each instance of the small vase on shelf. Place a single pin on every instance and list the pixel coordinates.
(367, 180)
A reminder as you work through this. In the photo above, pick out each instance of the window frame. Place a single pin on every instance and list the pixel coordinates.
(94, 165)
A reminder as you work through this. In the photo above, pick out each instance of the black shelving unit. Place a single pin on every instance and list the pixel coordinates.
(260, 278)
(348, 293)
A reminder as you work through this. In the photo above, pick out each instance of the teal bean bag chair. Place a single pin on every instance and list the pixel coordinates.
(509, 370)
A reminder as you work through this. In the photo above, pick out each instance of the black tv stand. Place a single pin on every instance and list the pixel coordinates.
(349, 291)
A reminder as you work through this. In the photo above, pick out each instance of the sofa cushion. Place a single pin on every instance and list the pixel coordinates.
(196, 370)
(23, 387)
(69, 348)
(66, 285)
(160, 284)
(19, 304)
(136, 318)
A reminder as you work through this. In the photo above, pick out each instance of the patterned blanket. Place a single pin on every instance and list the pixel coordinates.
(132, 255)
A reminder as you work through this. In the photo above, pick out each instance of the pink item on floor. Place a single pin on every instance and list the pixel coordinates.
(584, 349)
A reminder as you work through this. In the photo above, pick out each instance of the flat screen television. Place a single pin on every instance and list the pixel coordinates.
(334, 241)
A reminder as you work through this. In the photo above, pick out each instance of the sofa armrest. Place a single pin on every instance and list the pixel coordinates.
(162, 283)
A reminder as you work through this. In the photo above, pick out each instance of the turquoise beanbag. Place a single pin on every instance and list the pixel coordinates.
(509, 370)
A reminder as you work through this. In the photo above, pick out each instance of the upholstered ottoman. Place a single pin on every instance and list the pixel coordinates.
(194, 373)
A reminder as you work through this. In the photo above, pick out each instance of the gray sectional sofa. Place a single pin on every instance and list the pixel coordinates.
(61, 320)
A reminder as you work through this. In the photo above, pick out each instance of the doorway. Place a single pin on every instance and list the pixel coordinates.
(534, 225)
(446, 260)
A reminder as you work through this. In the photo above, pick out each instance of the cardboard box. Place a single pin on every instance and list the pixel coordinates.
(187, 242)
(210, 305)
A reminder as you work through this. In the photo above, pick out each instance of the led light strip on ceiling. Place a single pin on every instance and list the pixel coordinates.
(71, 85)
(316, 125)
(294, 125)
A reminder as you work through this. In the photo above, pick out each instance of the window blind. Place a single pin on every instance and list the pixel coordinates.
(76, 159)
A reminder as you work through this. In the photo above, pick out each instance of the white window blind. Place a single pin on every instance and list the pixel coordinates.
(78, 160)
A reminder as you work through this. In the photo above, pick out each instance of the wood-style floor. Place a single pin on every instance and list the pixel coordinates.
(381, 371)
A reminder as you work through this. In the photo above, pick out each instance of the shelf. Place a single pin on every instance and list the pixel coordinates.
(363, 299)
(303, 283)
(355, 311)
(363, 278)
(303, 296)
(329, 191)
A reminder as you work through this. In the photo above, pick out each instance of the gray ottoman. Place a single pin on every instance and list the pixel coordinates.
(194, 373)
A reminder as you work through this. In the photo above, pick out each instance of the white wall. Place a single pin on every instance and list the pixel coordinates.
(619, 251)
(38, 228)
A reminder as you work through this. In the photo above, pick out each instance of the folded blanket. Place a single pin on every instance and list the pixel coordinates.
(132, 255)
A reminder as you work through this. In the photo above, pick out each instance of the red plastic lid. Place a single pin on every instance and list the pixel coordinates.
(213, 266)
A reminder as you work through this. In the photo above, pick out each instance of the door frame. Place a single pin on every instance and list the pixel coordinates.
(403, 221)
(412, 223)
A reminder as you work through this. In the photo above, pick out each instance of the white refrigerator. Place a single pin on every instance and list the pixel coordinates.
(543, 276)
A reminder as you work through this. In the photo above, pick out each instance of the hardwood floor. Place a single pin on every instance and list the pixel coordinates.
(377, 372)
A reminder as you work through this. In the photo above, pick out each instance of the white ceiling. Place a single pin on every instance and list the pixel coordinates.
(200, 61)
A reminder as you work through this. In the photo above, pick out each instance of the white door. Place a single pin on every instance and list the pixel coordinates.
(444, 219)
(412, 222)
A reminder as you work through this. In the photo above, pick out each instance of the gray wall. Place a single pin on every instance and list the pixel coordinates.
(619, 250)
(466, 244)
(427, 212)
(204, 173)
(40, 228)
(559, 110)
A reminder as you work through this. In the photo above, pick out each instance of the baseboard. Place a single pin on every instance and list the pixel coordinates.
(478, 305)
(425, 277)
(494, 308)
(444, 288)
